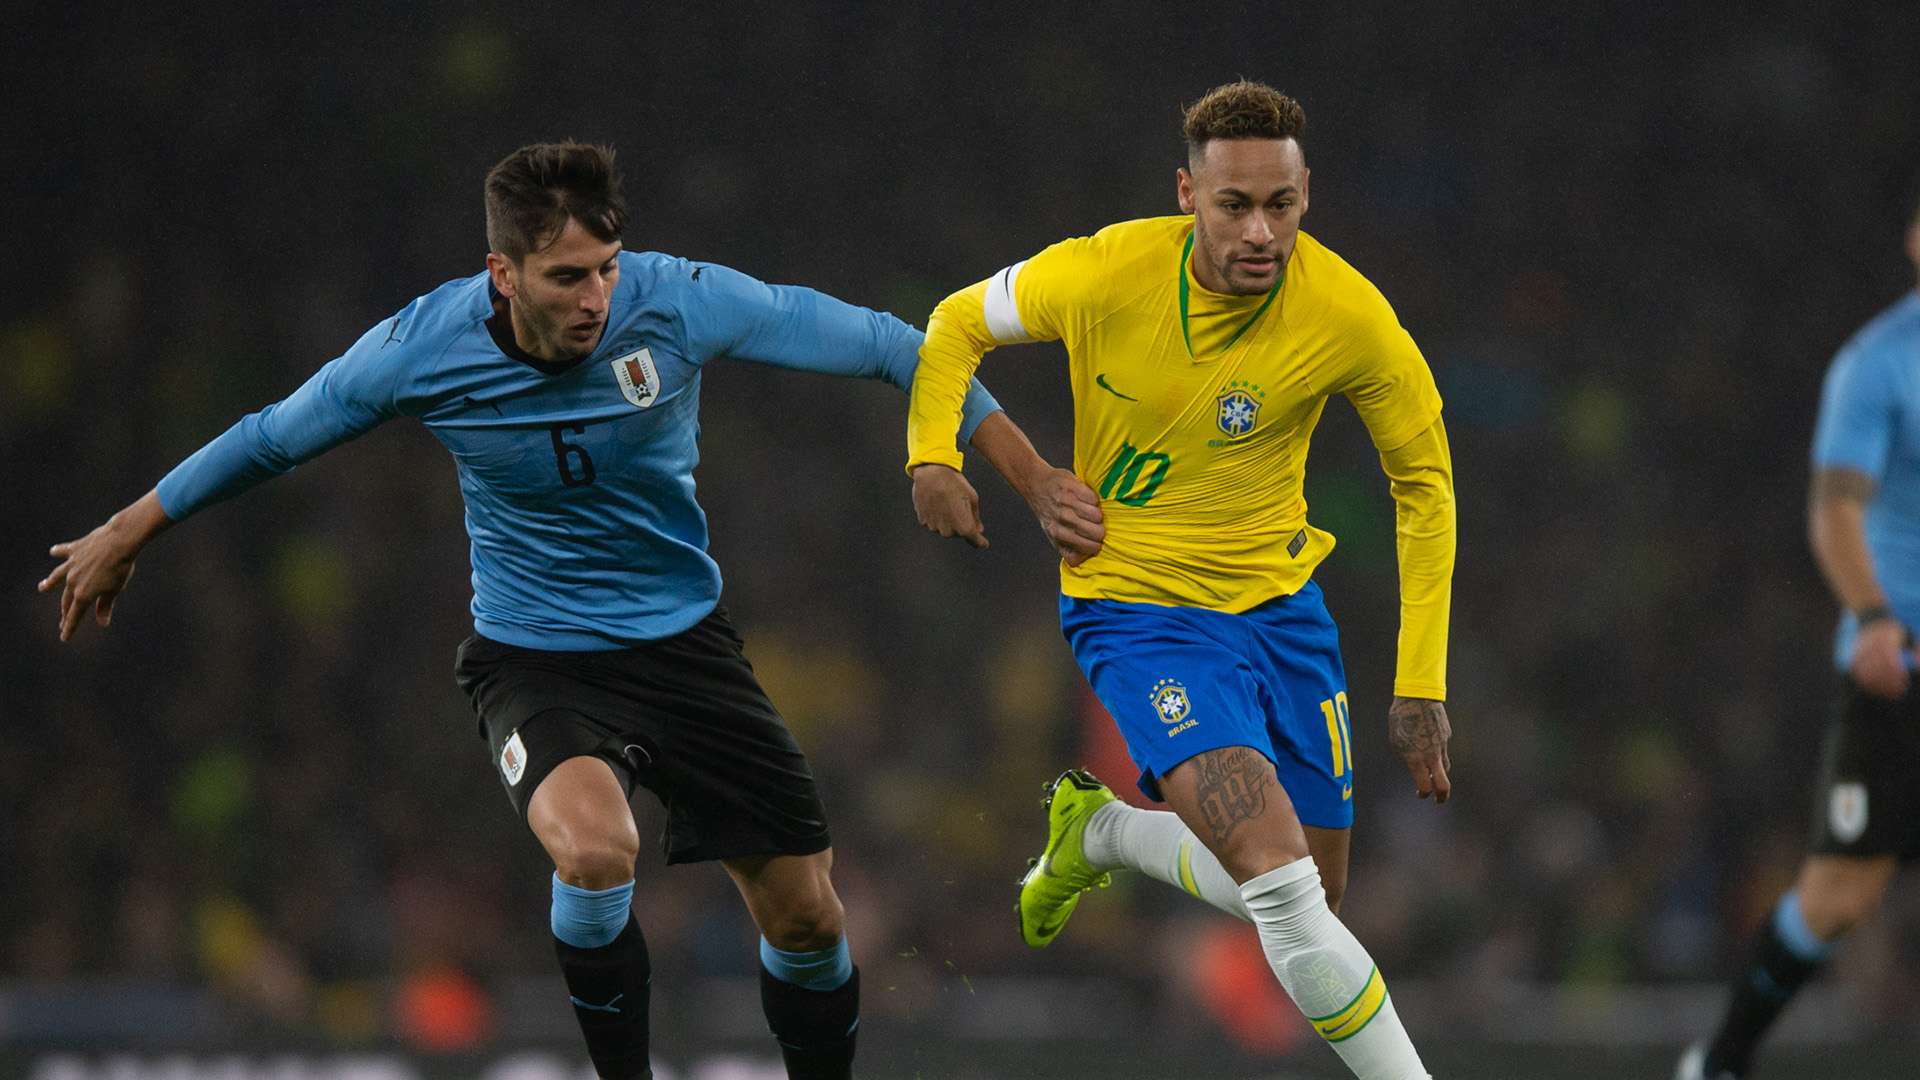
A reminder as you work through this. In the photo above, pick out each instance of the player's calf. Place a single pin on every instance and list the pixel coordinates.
(809, 987)
(603, 957)
(1328, 974)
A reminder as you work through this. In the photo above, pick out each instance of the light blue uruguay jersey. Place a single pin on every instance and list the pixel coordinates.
(1870, 422)
(577, 477)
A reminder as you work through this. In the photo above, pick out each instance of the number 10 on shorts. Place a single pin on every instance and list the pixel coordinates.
(1338, 733)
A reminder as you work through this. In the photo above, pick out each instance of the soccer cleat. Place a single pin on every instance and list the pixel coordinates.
(1053, 883)
(1693, 1066)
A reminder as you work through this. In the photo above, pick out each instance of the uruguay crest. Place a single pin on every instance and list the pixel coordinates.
(1847, 811)
(1239, 410)
(639, 379)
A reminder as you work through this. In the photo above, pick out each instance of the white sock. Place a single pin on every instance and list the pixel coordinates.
(1159, 845)
(1328, 975)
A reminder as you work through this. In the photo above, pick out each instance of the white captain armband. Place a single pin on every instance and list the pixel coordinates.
(1003, 315)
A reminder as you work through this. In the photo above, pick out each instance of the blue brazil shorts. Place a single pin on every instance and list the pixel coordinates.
(1181, 681)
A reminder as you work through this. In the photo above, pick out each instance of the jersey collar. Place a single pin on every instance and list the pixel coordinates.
(1186, 253)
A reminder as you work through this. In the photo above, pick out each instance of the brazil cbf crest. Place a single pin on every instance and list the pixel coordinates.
(1239, 408)
(639, 379)
(1171, 704)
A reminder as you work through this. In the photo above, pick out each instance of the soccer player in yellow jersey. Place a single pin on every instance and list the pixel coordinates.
(1202, 350)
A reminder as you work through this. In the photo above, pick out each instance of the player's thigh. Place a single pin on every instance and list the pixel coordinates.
(580, 815)
(1329, 850)
(1294, 653)
(1866, 803)
(1837, 892)
(791, 898)
(1234, 803)
(538, 709)
(736, 782)
(1175, 680)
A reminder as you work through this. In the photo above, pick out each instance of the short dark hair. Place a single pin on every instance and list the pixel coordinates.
(534, 190)
(1242, 110)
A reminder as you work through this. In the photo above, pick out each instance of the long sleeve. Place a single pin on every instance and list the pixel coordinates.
(1420, 473)
(799, 328)
(344, 399)
(1044, 298)
(957, 338)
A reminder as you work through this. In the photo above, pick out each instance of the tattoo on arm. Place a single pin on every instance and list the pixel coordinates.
(1232, 789)
(1417, 727)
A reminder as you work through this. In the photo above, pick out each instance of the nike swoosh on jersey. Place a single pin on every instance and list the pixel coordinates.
(610, 1007)
(1100, 380)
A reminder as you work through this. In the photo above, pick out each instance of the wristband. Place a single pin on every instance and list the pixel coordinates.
(1867, 616)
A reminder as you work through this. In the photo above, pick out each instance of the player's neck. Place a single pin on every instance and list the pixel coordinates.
(1206, 276)
(525, 338)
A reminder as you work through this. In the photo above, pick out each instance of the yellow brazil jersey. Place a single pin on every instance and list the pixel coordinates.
(1194, 431)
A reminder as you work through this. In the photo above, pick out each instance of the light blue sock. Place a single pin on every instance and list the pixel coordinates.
(823, 969)
(1790, 923)
(589, 918)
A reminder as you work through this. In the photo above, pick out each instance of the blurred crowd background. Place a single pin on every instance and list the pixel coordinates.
(1627, 239)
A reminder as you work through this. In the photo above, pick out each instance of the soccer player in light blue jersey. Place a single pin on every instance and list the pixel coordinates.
(1864, 523)
(565, 381)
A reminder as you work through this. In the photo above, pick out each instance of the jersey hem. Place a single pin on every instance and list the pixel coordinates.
(585, 640)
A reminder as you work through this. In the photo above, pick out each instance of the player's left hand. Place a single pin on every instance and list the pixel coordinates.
(1069, 514)
(93, 571)
(946, 503)
(1418, 731)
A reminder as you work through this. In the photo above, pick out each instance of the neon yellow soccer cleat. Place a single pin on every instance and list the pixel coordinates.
(1053, 882)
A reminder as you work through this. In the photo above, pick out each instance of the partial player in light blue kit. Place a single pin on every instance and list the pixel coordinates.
(565, 381)
(1864, 520)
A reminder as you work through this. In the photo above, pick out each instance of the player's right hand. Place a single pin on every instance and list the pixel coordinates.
(946, 503)
(1879, 665)
(92, 572)
(1069, 514)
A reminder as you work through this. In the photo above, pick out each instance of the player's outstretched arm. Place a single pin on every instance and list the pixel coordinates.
(1067, 509)
(959, 332)
(95, 569)
(346, 397)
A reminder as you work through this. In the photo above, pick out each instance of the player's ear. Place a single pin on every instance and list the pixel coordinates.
(501, 270)
(1183, 189)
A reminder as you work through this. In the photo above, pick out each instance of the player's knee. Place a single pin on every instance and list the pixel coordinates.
(1834, 907)
(591, 858)
(809, 919)
(1249, 859)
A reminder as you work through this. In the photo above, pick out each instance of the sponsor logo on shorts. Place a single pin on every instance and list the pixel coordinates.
(1171, 704)
(1847, 811)
(513, 759)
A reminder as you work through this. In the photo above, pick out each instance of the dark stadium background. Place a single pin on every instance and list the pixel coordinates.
(253, 819)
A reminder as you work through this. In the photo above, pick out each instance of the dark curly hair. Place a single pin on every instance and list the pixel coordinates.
(1242, 110)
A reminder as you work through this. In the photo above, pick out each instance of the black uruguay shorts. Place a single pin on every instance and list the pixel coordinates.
(1868, 798)
(683, 717)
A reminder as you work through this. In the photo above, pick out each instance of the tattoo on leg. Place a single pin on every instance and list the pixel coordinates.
(1232, 789)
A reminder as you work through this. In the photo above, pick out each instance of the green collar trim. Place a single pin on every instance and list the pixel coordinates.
(1186, 335)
